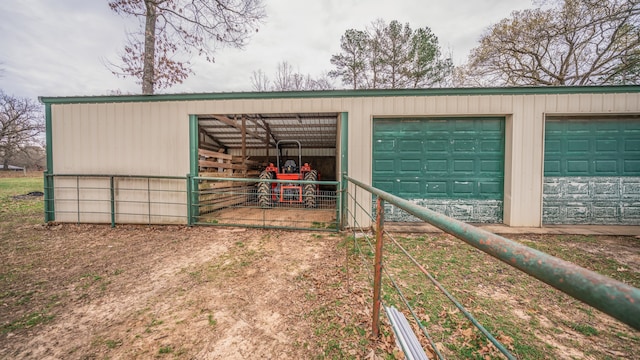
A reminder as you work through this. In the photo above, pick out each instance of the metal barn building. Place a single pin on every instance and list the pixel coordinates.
(517, 156)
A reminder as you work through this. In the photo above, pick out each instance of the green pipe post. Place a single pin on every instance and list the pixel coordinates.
(49, 200)
(610, 296)
(377, 266)
(113, 202)
(189, 204)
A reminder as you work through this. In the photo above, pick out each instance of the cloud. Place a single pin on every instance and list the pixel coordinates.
(60, 47)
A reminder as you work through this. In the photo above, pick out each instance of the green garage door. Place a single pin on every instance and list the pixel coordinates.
(451, 165)
(592, 171)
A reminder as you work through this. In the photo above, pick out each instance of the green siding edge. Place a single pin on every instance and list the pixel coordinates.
(192, 185)
(342, 94)
(193, 145)
(49, 207)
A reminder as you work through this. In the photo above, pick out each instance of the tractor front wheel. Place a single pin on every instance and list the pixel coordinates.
(309, 191)
(264, 189)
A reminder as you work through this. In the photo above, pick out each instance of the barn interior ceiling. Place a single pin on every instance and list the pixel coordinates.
(313, 130)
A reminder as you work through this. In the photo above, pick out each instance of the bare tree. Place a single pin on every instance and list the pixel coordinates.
(175, 27)
(286, 79)
(31, 157)
(21, 122)
(322, 82)
(570, 42)
(260, 81)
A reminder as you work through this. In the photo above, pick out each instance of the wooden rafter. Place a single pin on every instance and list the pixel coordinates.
(211, 138)
(225, 120)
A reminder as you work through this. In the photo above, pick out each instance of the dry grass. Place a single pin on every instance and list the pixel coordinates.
(533, 320)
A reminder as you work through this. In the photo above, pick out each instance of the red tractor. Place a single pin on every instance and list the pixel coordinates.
(288, 193)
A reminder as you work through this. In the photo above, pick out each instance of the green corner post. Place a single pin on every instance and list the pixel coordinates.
(192, 184)
(49, 208)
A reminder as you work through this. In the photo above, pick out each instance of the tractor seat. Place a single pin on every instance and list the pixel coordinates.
(290, 167)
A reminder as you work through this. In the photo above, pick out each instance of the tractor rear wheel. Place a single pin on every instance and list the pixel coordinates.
(264, 189)
(309, 191)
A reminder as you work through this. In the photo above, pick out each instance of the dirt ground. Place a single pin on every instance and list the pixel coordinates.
(95, 292)
(144, 291)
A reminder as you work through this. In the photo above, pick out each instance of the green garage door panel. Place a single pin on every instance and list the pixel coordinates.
(457, 161)
(592, 148)
(592, 171)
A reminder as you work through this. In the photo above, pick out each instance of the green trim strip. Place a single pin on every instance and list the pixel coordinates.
(193, 145)
(342, 94)
(49, 207)
(194, 203)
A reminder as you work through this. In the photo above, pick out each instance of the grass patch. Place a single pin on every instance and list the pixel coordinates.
(28, 321)
(318, 225)
(212, 322)
(18, 211)
(112, 344)
(584, 329)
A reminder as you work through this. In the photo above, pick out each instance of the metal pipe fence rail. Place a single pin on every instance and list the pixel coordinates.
(373, 253)
(98, 198)
(143, 199)
(610, 296)
(265, 203)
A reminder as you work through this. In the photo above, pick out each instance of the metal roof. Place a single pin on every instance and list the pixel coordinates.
(313, 130)
(523, 90)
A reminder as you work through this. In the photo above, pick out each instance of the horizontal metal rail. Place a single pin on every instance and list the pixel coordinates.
(118, 176)
(229, 201)
(255, 180)
(610, 296)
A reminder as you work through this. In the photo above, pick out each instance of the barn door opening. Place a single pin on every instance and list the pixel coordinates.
(241, 183)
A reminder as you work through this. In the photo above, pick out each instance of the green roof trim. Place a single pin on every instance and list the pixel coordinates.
(547, 90)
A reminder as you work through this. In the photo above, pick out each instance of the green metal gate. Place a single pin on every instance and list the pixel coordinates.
(451, 165)
(592, 171)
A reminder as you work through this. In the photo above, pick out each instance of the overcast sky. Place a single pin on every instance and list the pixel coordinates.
(59, 47)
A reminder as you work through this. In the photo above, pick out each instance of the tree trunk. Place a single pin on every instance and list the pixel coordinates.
(6, 160)
(148, 71)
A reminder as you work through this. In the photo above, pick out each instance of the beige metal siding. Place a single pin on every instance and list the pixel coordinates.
(152, 138)
(132, 139)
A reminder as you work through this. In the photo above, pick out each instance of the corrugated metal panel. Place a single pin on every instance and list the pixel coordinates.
(152, 138)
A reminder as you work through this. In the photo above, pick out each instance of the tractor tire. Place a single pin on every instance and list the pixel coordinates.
(264, 190)
(309, 191)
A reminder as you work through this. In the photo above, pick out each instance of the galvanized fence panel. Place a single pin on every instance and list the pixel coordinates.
(265, 203)
(612, 297)
(115, 199)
